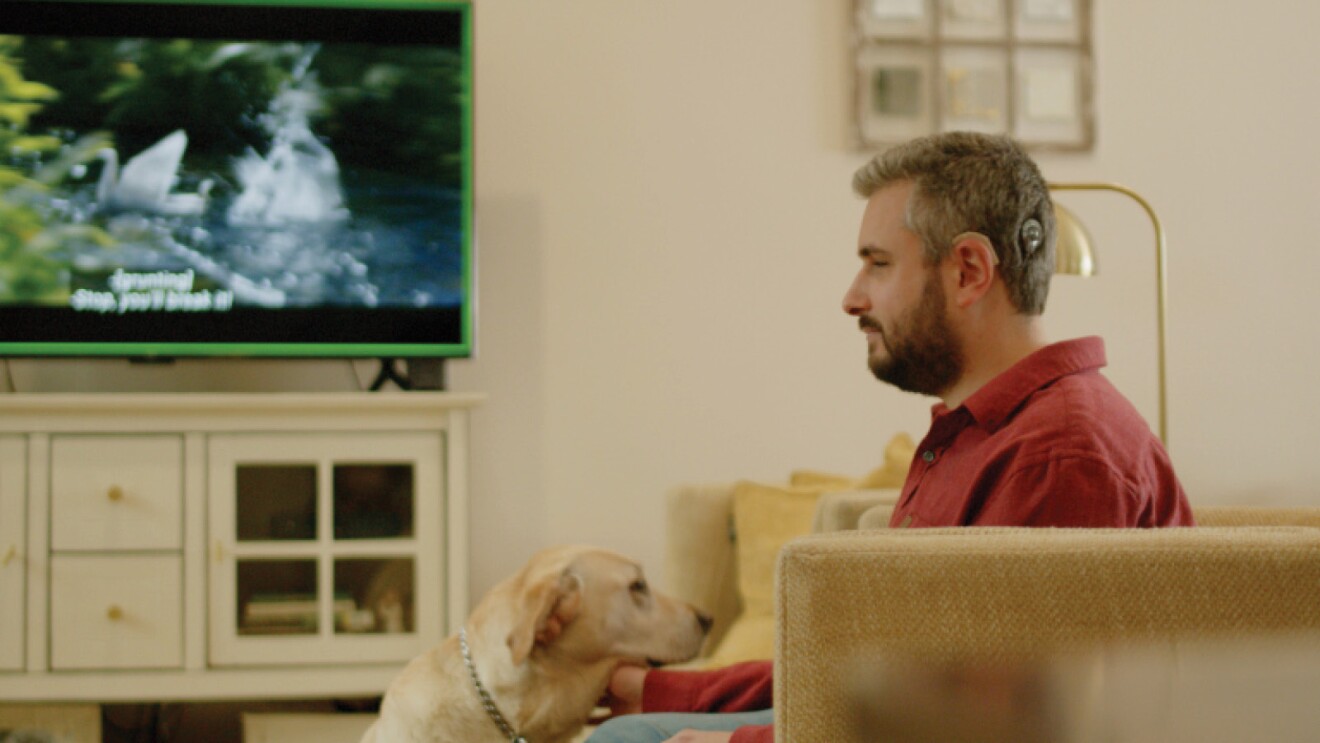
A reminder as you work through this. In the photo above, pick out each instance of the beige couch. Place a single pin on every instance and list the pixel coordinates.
(946, 593)
(1008, 594)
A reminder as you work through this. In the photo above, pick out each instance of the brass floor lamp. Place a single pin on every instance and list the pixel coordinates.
(1075, 255)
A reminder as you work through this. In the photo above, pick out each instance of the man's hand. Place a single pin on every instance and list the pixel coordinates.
(625, 690)
(698, 736)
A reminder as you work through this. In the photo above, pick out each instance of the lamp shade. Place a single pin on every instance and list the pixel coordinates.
(1073, 251)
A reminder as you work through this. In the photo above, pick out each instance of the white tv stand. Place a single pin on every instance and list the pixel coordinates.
(219, 546)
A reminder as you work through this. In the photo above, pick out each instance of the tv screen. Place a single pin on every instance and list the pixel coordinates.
(236, 179)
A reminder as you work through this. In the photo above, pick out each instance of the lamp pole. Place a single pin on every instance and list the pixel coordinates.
(1161, 287)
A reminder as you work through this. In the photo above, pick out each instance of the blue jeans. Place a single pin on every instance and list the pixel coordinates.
(661, 726)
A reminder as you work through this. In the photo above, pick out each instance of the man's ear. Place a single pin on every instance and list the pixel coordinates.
(973, 263)
(548, 606)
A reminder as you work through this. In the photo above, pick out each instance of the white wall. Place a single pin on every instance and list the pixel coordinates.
(666, 230)
(664, 197)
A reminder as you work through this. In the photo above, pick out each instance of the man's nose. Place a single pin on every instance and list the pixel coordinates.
(855, 301)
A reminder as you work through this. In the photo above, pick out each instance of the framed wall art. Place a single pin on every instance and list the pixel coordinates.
(1021, 67)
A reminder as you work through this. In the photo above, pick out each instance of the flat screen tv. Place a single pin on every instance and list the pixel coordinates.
(234, 178)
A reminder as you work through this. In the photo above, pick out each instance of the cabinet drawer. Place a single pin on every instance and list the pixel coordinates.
(120, 611)
(116, 492)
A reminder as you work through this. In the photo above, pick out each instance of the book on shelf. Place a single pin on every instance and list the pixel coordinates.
(290, 608)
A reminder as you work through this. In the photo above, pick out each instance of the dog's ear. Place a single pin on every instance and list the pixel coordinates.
(548, 606)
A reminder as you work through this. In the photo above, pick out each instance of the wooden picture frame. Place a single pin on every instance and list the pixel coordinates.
(1019, 67)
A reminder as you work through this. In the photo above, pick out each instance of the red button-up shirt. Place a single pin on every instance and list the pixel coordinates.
(1049, 442)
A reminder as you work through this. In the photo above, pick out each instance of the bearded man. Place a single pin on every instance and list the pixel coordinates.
(957, 250)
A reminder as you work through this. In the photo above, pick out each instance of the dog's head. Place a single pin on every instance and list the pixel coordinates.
(592, 604)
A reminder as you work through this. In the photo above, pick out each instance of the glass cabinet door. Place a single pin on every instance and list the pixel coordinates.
(316, 557)
(276, 504)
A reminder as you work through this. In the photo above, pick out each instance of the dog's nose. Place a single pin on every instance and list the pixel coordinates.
(705, 620)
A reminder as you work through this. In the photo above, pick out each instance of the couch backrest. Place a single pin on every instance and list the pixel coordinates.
(1256, 516)
(1009, 593)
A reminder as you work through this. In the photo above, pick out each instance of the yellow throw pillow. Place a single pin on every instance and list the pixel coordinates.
(898, 458)
(765, 517)
(817, 479)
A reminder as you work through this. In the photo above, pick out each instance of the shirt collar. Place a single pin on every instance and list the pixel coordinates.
(995, 401)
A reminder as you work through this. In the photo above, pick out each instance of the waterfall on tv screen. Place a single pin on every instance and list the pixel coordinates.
(298, 178)
(288, 229)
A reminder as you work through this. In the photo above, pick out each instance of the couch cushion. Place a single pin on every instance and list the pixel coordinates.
(823, 480)
(876, 517)
(843, 510)
(766, 517)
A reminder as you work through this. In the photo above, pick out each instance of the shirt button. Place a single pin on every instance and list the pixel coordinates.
(928, 456)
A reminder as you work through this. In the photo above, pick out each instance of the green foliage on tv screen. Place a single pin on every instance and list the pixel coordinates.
(30, 269)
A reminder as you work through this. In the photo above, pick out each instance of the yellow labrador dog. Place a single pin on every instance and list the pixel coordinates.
(537, 653)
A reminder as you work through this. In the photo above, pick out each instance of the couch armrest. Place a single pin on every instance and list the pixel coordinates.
(841, 511)
(1004, 593)
(701, 565)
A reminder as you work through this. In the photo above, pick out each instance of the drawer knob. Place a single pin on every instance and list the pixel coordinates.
(115, 494)
(10, 554)
(114, 613)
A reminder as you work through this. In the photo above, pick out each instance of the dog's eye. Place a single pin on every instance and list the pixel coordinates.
(639, 586)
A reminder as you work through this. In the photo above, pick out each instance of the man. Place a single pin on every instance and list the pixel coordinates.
(957, 251)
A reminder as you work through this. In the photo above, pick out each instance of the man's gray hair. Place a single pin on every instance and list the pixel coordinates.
(969, 182)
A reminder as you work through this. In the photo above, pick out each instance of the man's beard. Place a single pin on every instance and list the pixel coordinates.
(923, 355)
